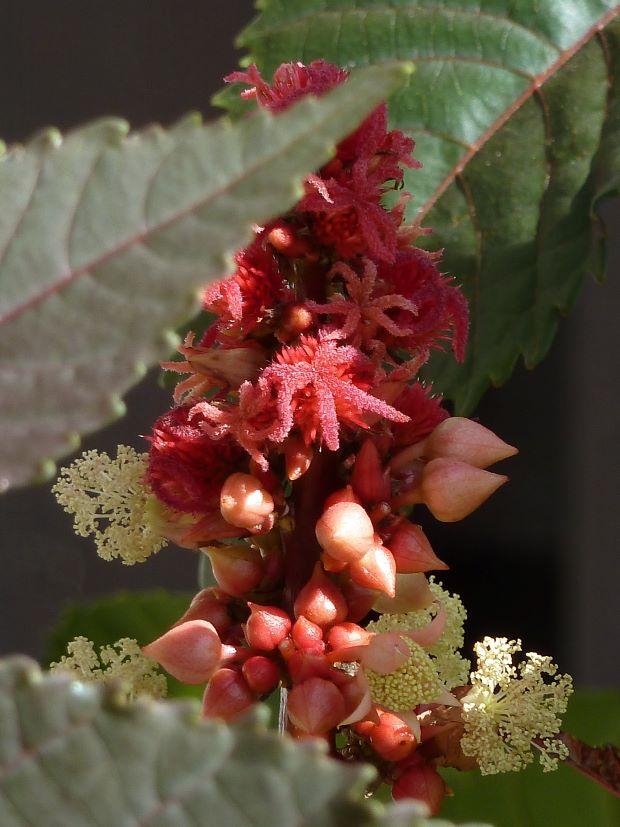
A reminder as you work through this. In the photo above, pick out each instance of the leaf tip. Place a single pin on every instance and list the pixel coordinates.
(117, 406)
(140, 369)
(170, 339)
(46, 470)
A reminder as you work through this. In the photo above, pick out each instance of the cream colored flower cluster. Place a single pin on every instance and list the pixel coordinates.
(511, 711)
(415, 682)
(122, 661)
(110, 501)
(452, 668)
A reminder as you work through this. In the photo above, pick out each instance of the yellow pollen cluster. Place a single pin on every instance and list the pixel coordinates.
(111, 502)
(415, 682)
(122, 661)
(510, 710)
(452, 667)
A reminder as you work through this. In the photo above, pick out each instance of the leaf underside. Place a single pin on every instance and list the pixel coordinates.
(105, 240)
(73, 755)
(515, 111)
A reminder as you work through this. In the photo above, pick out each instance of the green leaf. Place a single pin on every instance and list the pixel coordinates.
(143, 616)
(535, 799)
(74, 755)
(105, 240)
(515, 109)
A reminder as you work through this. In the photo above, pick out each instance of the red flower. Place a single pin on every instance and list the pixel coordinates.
(186, 467)
(250, 296)
(291, 82)
(424, 411)
(441, 307)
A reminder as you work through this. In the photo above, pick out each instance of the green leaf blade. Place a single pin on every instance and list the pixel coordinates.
(105, 241)
(515, 111)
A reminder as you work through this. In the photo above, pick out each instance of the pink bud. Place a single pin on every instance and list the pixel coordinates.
(412, 551)
(284, 238)
(369, 480)
(297, 457)
(209, 604)
(190, 652)
(453, 489)
(245, 503)
(412, 594)
(320, 600)
(261, 674)
(376, 570)
(392, 739)
(345, 531)
(467, 441)
(266, 627)
(307, 636)
(360, 600)
(237, 569)
(227, 695)
(315, 706)
(422, 783)
(343, 495)
(347, 634)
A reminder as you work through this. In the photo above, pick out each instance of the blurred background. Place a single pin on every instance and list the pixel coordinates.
(540, 561)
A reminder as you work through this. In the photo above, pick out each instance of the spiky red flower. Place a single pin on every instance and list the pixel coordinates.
(248, 297)
(441, 307)
(187, 468)
(425, 412)
(291, 82)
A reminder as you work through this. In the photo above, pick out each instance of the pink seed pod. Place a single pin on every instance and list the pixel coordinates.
(247, 504)
(308, 637)
(411, 550)
(266, 627)
(297, 457)
(347, 634)
(376, 570)
(342, 495)
(238, 569)
(315, 706)
(190, 652)
(467, 441)
(212, 605)
(370, 482)
(422, 783)
(392, 739)
(261, 674)
(345, 531)
(227, 695)
(320, 600)
(452, 489)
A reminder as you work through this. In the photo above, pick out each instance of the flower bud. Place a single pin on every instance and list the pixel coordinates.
(412, 594)
(315, 706)
(307, 636)
(212, 605)
(261, 674)
(266, 627)
(283, 237)
(347, 634)
(370, 482)
(320, 601)
(392, 739)
(411, 550)
(227, 695)
(297, 456)
(467, 441)
(452, 489)
(360, 600)
(245, 503)
(295, 320)
(190, 652)
(345, 531)
(237, 569)
(343, 495)
(376, 570)
(422, 783)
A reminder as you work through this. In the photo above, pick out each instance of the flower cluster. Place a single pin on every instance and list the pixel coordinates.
(299, 448)
(122, 661)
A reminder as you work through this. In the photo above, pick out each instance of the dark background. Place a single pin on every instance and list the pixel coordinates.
(539, 561)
